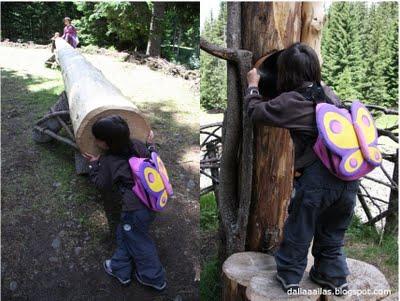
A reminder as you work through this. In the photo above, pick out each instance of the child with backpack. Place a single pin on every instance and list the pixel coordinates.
(135, 246)
(325, 188)
(70, 33)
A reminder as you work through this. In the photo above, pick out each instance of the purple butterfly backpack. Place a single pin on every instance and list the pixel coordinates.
(152, 184)
(347, 140)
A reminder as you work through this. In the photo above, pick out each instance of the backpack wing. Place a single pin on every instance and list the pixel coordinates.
(366, 132)
(163, 172)
(336, 129)
(153, 183)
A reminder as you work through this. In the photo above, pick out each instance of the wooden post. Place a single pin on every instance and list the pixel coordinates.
(267, 26)
(392, 218)
(91, 96)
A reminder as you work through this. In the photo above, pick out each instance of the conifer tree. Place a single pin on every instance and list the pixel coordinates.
(212, 69)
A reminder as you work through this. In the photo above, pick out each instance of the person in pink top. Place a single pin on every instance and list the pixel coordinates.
(70, 33)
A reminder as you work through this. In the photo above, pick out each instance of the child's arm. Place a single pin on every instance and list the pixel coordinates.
(150, 142)
(99, 173)
(288, 110)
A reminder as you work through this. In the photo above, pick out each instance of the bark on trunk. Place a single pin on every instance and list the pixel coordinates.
(154, 43)
(91, 96)
(267, 26)
(313, 19)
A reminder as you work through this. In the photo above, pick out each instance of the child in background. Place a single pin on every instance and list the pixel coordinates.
(70, 34)
(322, 205)
(135, 245)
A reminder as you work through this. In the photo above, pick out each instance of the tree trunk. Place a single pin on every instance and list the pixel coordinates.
(91, 96)
(154, 43)
(267, 26)
(392, 219)
(313, 19)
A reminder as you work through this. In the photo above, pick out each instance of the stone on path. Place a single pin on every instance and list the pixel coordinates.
(13, 285)
(56, 243)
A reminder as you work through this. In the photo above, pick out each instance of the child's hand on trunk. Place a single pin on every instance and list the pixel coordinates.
(150, 137)
(253, 77)
(91, 157)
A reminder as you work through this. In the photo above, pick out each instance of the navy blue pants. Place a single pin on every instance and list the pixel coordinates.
(135, 247)
(321, 208)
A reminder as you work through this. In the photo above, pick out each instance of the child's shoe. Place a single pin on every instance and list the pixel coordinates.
(287, 287)
(157, 287)
(338, 286)
(107, 268)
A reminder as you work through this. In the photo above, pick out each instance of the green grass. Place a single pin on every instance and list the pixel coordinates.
(54, 162)
(208, 212)
(366, 244)
(210, 286)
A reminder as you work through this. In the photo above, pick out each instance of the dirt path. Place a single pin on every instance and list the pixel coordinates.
(55, 226)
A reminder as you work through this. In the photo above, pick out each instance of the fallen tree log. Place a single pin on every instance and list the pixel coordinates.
(91, 96)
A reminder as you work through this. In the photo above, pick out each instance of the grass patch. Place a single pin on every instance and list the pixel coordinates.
(208, 212)
(365, 243)
(210, 287)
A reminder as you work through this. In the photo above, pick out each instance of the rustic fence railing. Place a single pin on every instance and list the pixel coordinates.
(386, 177)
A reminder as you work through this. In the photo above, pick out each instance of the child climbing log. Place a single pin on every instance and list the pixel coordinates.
(91, 96)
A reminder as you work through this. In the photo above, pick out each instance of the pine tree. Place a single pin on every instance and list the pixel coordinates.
(360, 51)
(391, 71)
(212, 69)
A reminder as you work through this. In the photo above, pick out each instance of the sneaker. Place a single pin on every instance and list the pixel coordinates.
(107, 268)
(157, 287)
(337, 286)
(285, 286)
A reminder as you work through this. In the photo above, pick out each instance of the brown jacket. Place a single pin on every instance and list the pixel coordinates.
(290, 110)
(112, 170)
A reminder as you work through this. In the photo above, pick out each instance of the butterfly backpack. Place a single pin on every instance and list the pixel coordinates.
(347, 140)
(151, 181)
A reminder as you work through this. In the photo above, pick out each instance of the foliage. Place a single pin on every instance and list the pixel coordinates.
(34, 21)
(210, 284)
(182, 33)
(208, 212)
(212, 69)
(123, 25)
(360, 51)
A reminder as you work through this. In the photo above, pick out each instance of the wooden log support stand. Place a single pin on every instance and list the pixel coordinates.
(88, 96)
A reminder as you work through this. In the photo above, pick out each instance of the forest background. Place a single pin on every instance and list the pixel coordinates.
(113, 25)
(359, 50)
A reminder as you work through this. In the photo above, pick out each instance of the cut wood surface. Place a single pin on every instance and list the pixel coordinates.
(267, 288)
(241, 267)
(257, 271)
(392, 297)
(363, 276)
(91, 96)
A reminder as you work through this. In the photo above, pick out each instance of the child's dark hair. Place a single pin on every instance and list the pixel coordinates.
(297, 65)
(114, 131)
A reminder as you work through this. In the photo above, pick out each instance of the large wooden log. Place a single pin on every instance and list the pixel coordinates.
(91, 96)
(267, 26)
